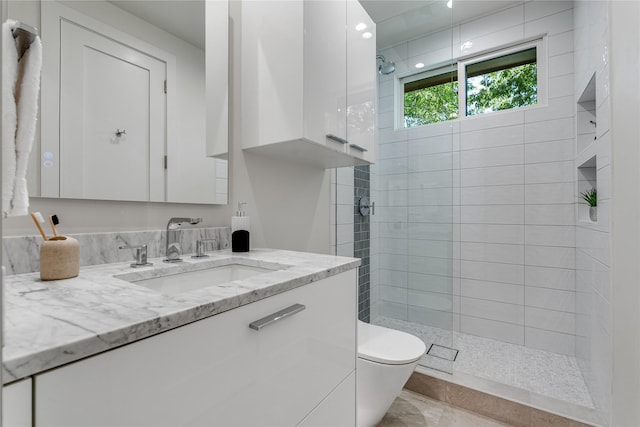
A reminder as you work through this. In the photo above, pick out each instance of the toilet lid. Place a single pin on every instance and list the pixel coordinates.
(388, 346)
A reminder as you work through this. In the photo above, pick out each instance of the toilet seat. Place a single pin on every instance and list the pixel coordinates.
(388, 346)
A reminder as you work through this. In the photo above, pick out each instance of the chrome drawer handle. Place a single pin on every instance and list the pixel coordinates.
(337, 138)
(358, 147)
(278, 315)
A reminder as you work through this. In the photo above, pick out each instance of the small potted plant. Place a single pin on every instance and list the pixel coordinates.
(591, 198)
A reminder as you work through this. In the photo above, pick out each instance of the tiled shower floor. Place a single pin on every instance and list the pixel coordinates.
(537, 371)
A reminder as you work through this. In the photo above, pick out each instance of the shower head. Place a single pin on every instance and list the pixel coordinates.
(385, 67)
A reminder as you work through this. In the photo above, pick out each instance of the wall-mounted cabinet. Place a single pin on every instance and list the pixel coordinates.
(305, 80)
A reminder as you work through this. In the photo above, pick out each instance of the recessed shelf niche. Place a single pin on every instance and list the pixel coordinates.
(586, 115)
(587, 179)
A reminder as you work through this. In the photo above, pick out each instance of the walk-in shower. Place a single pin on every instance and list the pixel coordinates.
(477, 243)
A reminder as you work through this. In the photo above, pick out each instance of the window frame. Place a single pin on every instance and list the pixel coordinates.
(460, 64)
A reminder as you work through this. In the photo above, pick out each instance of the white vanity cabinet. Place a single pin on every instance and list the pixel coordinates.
(16, 404)
(219, 371)
(295, 56)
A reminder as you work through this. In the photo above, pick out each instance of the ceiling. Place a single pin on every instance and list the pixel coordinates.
(184, 19)
(401, 20)
(397, 20)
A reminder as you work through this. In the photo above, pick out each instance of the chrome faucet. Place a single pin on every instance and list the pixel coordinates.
(173, 250)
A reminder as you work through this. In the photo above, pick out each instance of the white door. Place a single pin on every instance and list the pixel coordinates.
(112, 119)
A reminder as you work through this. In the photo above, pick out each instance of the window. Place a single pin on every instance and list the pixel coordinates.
(502, 80)
(501, 83)
(431, 99)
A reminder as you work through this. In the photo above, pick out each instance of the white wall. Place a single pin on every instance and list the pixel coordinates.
(593, 250)
(509, 177)
(288, 204)
(624, 56)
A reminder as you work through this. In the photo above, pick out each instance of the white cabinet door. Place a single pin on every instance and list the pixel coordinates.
(338, 409)
(217, 371)
(294, 81)
(325, 80)
(16, 404)
(361, 81)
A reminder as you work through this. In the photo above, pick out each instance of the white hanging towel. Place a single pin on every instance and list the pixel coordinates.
(26, 89)
(9, 115)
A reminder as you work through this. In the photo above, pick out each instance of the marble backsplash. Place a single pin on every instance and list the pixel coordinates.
(21, 254)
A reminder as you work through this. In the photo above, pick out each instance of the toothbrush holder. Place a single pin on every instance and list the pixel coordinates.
(59, 258)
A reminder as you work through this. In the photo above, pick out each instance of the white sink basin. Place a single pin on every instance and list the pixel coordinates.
(192, 280)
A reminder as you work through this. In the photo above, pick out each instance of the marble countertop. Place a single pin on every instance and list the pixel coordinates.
(49, 324)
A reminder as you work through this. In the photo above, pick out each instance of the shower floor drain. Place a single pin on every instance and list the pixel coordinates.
(443, 352)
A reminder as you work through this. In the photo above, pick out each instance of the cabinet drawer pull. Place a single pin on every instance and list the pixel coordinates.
(358, 147)
(337, 138)
(278, 315)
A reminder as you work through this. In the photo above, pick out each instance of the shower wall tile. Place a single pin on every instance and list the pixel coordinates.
(555, 193)
(560, 65)
(435, 318)
(550, 256)
(500, 175)
(555, 342)
(560, 86)
(552, 278)
(540, 152)
(431, 300)
(559, 107)
(497, 156)
(491, 23)
(509, 254)
(487, 233)
(500, 331)
(550, 320)
(550, 235)
(551, 299)
(393, 310)
(493, 291)
(431, 283)
(550, 214)
(494, 195)
(492, 310)
(552, 24)
(537, 10)
(502, 121)
(492, 272)
(491, 136)
(549, 130)
(393, 294)
(492, 214)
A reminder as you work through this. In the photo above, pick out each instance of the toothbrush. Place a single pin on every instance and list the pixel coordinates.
(53, 221)
(38, 219)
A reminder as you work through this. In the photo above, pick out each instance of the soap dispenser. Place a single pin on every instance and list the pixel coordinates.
(240, 228)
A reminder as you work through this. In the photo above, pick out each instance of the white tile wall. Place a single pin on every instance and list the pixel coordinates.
(502, 186)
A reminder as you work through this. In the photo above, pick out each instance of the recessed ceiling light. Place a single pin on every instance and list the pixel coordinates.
(450, 4)
(361, 26)
(419, 65)
(367, 35)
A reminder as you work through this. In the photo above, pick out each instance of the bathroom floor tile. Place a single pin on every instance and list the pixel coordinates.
(547, 374)
(414, 410)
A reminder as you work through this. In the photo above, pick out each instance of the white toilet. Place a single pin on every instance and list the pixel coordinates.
(386, 359)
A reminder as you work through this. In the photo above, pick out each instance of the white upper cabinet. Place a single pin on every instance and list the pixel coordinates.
(361, 81)
(295, 81)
